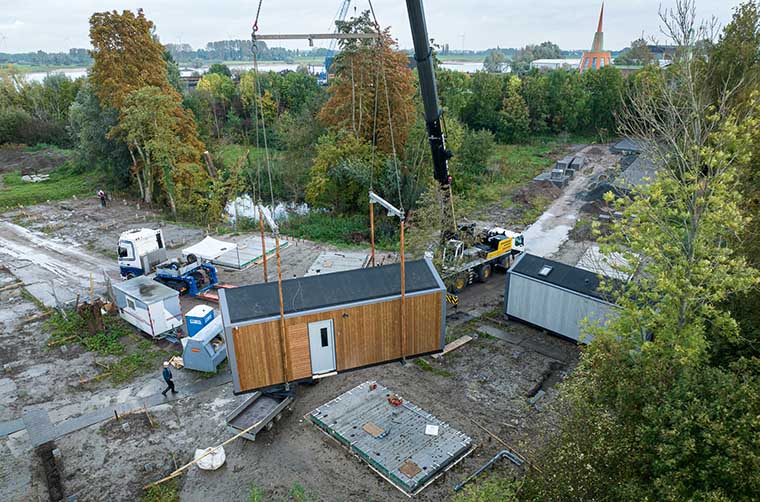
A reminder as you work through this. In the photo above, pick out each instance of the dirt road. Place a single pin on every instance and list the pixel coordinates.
(551, 230)
(55, 272)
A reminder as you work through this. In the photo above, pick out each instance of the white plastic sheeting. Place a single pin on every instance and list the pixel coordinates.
(244, 207)
(209, 249)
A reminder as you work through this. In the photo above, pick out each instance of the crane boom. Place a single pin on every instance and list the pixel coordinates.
(423, 55)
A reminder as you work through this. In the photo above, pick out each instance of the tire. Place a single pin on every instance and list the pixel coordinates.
(130, 276)
(460, 282)
(485, 272)
(191, 258)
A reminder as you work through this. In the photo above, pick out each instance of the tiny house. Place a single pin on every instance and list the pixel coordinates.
(554, 296)
(148, 305)
(332, 323)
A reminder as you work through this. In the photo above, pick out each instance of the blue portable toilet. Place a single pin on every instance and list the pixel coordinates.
(197, 318)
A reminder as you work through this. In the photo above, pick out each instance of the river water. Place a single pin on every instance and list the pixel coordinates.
(464, 66)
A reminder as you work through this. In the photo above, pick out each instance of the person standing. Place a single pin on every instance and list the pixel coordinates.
(102, 197)
(167, 373)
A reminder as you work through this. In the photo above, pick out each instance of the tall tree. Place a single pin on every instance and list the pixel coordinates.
(128, 58)
(646, 416)
(373, 88)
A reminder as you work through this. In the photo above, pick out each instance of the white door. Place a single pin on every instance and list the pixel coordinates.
(322, 346)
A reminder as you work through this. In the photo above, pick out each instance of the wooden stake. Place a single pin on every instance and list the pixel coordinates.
(92, 289)
(263, 244)
(372, 231)
(403, 295)
(283, 328)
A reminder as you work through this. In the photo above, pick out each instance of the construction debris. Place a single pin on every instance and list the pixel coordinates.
(453, 346)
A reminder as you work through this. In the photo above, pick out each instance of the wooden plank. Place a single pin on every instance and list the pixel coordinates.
(453, 345)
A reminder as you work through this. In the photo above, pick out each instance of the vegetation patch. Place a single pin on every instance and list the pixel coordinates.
(339, 230)
(165, 492)
(121, 364)
(426, 366)
(64, 183)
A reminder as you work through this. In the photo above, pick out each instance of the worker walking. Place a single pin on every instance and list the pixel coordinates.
(167, 373)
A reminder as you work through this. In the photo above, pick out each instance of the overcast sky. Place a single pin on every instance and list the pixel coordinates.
(55, 25)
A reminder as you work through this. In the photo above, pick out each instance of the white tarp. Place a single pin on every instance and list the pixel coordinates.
(213, 460)
(209, 249)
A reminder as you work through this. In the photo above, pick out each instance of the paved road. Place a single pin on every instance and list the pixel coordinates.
(49, 268)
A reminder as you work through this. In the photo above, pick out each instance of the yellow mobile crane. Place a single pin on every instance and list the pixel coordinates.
(469, 253)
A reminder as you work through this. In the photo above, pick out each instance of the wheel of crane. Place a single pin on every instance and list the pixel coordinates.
(484, 272)
(460, 282)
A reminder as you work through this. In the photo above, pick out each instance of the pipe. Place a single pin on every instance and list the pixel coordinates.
(503, 453)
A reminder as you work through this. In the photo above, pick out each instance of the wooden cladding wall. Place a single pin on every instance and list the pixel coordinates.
(364, 335)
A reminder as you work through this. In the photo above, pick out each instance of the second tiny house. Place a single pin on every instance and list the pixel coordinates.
(333, 323)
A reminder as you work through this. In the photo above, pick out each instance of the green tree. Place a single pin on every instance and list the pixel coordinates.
(523, 57)
(487, 91)
(472, 159)
(534, 91)
(340, 176)
(220, 91)
(219, 69)
(89, 123)
(646, 416)
(514, 119)
(637, 54)
(453, 91)
(605, 98)
(495, 62)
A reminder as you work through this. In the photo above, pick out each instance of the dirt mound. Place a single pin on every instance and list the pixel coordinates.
(595, 151)
(14, 159)
(544, 190)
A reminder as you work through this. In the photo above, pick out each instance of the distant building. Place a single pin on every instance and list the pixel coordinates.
(597, 57)
(555, 64)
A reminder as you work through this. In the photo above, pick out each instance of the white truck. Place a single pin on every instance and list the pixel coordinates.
(140, 250)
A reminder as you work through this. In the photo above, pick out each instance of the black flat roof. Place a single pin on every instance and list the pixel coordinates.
(562, 275)
(258, 301)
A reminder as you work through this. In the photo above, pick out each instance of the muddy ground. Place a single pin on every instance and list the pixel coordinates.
(488, 380)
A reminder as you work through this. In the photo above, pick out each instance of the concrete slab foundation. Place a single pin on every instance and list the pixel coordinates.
(333, 261)
(392, 439)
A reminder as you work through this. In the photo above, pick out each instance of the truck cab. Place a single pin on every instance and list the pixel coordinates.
(139, 251)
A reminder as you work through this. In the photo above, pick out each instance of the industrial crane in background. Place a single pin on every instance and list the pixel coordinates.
(330, 56)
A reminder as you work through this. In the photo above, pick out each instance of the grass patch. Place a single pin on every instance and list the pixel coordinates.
(510, 167)
(64, 183)
(426, 366)
(256, 494)
(338, 230)
(125, 366)
(165, 492)
(298, 493)
(231, 153)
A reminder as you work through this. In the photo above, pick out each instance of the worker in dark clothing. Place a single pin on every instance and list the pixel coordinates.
(168, 379)
(102, 197)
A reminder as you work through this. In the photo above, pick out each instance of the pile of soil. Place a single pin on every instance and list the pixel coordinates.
(13, 159)
(541, 190)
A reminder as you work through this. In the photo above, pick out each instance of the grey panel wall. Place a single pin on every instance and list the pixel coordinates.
(552, 308)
